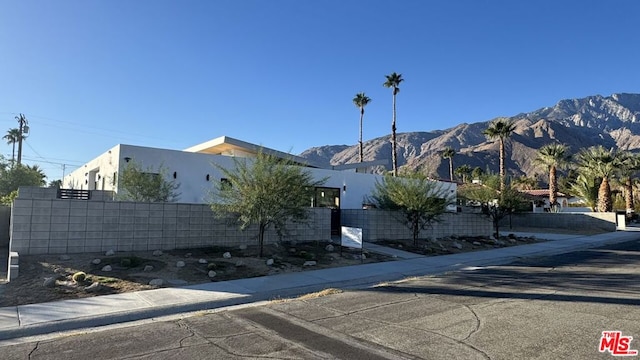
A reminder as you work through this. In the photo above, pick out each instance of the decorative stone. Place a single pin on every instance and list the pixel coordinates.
(65, 257)
(212, 274)
(476, 243)
(180, 264)
(110, 252)
(148, 268)
(363, 257)
(242, 247)
(157, 253)
(329, 248)
(240, 263)
(188, 255)
(94, 287)
(156, 282)
(457, 245)
(269, 262)
(310, 263)
(203, 261)
(49, 282)
(107, 268)
(96, 261)
(227, 255)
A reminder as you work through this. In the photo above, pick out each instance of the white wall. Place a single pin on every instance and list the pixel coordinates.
(192, 169)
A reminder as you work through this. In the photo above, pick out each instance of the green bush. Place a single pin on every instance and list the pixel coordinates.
(78, 277)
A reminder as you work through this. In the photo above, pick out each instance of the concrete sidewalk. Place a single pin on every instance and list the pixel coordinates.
(36, 319)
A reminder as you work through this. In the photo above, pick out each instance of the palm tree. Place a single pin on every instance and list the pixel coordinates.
(449, 153)
(463, 171)
(524, 183)
(12, 137)
(601, 163)
(629, 166)
(500, 129)
(553, 157)
(393, 81)
(361, 100)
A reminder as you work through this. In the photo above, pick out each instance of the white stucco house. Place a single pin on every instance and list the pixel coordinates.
(193, 168)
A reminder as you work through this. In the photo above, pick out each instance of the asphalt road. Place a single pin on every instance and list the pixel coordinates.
(545, 308)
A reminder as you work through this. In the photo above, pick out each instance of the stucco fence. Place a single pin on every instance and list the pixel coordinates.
(43, 224)
(604, 221)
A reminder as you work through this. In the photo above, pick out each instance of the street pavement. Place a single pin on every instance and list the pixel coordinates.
(55, 317)
(534, 307)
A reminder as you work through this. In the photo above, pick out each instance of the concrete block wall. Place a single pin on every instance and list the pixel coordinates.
(379, 225)
(605, 221)
(34, 192)
(56, 226)
(5, 216)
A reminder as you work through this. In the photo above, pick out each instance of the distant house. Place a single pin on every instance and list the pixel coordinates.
(540, 199)
(346, 185)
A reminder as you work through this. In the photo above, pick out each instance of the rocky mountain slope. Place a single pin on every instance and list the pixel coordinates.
(612, 121)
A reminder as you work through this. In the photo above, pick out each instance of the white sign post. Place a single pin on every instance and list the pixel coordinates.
(352, 238)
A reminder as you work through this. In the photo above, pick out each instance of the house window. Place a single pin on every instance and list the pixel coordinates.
(326, 197)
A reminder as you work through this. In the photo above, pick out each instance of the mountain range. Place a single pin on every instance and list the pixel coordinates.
(612, 121)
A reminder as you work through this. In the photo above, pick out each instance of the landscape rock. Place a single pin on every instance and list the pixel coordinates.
(240, 263)
(202, 261)
(156, 282)
(96, 261)
(188, 255)
(310, 263)
(212, 274)
(269, 262)
(227, 255)
(457, 245)
(94, 287)
(65, 257)
(110, 252)
(476, 243)
(180, 264)
(329, 248)
(363, 257)
(157, 253)
(107, 268)
(49, 282)
(147, 268)
(242, 247)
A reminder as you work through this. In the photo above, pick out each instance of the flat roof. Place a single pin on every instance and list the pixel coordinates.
(223, 145)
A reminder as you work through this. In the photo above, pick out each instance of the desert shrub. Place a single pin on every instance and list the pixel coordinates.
(211, 266)
(80, 276)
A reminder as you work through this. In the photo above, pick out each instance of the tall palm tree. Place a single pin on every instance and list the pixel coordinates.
(463, 171)
(393, 81)
(12, 137)
(500, 129)
(629, 167)
(361, 100)
(553, 157)
(598, 162)
(449, 153)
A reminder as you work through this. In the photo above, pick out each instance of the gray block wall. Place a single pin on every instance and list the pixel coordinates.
(605, 221)
(381, 225)
(56, 226)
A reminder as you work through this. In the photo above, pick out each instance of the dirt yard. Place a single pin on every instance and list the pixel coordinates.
(45, 278)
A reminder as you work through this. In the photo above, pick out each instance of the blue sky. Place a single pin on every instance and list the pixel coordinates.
(282, 73)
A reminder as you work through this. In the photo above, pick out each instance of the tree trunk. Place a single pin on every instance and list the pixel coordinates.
(394, 156)
(261, 230)
(360, 142)
(416, 229)
(13, 154)
(628, 196)
(553, 187)
(451, 168)
(604, 196)
(502, 171)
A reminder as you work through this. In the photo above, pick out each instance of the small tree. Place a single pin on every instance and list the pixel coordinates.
(12, 177)
(146, 185)
(265, 191)
(420, 201)
(495, 205)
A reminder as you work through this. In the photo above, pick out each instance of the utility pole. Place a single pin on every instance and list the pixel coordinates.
(23, 130)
